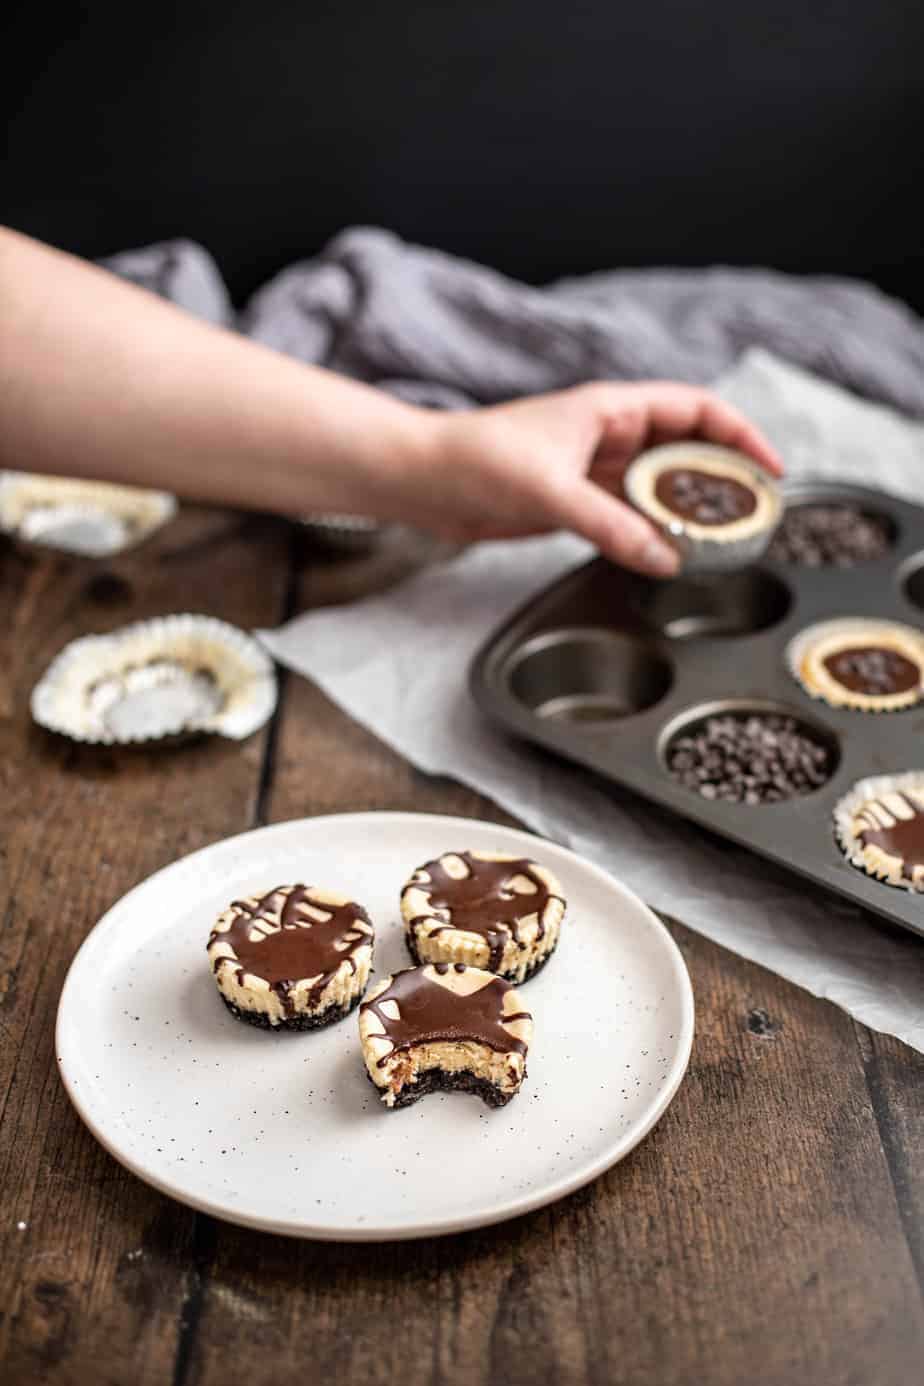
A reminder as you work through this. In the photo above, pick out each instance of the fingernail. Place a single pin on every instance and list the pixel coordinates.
(659, 559)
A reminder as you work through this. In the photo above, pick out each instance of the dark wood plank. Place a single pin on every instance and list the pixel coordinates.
(895, 1078)
(93, 1286)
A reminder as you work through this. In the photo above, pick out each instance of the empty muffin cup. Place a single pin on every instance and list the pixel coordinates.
(591, 676)
(739, 603)
(913, 581)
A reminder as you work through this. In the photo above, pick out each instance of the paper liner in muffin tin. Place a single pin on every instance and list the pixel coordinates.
(882, 799)
(806, 652)
(707, 549)
(90, 518)
(155, 679)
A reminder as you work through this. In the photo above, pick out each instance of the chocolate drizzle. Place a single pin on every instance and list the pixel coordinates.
(904, 839)
(704, 497)
(481, 903)
(429, 1012)
(277, 939)
(873, 670)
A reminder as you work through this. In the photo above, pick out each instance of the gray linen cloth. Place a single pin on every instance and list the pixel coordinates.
(444, 332)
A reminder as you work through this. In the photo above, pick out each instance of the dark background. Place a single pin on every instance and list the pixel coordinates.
(542, 138)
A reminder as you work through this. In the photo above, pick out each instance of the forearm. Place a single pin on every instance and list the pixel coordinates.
(101, 379)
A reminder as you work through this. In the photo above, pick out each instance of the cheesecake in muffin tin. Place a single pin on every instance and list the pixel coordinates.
(855, 662)
(880, 827)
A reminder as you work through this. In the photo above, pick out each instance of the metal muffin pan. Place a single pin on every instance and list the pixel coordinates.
(606, 668)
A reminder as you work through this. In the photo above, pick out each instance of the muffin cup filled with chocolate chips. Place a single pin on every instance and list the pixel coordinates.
(487, 910)
(295, 958)
(444, 1027)
(830, 534)
(752, 756)
(880, 827)
(856, 662)
(716, 506)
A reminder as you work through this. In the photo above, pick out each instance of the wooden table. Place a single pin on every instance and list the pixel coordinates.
(769, 1231)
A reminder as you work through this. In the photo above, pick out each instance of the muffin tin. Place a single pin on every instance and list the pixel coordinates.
(607, 668)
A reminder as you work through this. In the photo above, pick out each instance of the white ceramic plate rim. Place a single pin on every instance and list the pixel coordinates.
(514, 1207)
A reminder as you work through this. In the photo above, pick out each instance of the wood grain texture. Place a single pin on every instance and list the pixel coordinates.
(80, 827)
(768, 1231)
(895, 1078)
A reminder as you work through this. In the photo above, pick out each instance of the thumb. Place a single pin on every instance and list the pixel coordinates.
(619, 532)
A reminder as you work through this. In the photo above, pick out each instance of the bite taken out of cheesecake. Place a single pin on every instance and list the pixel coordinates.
(444, 1027)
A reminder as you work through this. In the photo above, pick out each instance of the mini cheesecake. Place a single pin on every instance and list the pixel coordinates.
(444, 1027)
(296, 958)
(873, 666)
(880, 827)
(485, 909)
(715, 505)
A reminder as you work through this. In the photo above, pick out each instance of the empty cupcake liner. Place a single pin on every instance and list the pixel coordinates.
(157, 679)
(90, 518)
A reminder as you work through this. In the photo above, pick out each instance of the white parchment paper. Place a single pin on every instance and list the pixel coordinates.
(398, 664)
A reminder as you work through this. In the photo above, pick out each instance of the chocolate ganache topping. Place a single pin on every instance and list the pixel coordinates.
(904, 839)
(482, 902)
(703, 497)
(429, 1012)
(873, 670)
(281, 939)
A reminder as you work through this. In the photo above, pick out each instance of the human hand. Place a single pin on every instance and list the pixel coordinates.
(556, 461)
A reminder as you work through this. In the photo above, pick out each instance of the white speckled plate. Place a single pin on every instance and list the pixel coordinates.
(284, 1131)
